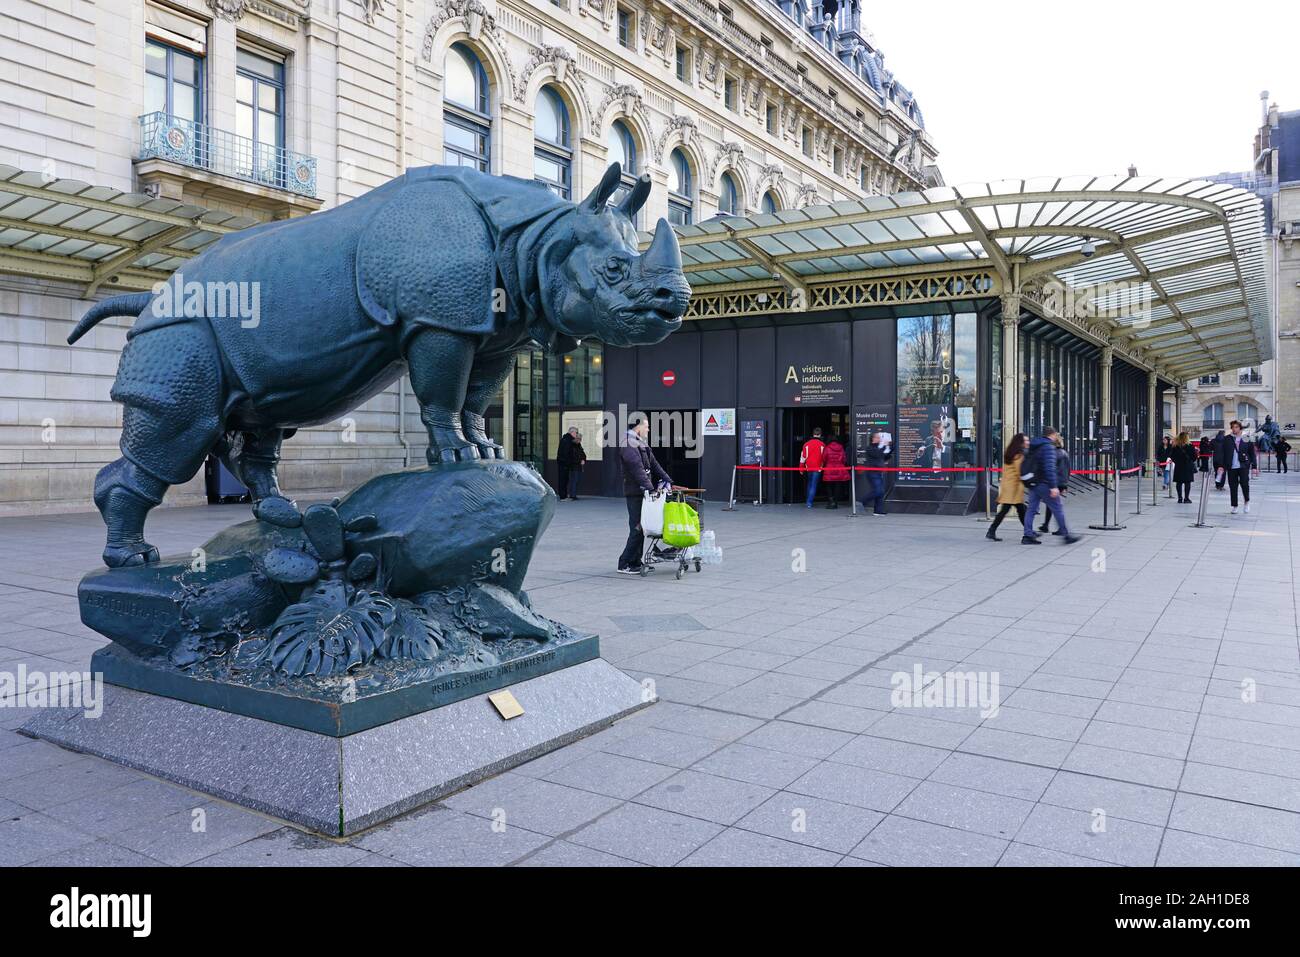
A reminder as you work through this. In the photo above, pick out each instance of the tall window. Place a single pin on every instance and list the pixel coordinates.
(622, 150)
(466, 125)
(173, 81)
(259, 112)
(680, 201)
(553, 152)
(1212, 418)
(626, 28)
(864, 178)
(1247, 412)
(729, 93)
(728, 196)
(683, 63)
(806, 139)
(770, 202)
(773, 119)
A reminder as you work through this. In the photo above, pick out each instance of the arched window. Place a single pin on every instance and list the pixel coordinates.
(770, 203)
(728, 196)
(622, 150)
(553, 150)
(466, 123)
(681, 202)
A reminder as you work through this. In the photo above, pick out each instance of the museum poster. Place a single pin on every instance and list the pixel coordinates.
(868, 419)
(753, 439)
(926, 434)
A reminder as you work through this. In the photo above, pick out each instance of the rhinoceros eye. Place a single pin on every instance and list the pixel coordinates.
(616, 268)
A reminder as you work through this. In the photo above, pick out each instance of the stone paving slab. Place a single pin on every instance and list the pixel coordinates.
(1148, 712)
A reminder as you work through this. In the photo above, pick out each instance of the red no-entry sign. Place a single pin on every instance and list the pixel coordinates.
(669, 377)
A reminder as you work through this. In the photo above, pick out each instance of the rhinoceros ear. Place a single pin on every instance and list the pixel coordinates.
(635, 197)
(595, 202)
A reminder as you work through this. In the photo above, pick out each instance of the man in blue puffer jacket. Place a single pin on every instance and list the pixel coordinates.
(1042, 456)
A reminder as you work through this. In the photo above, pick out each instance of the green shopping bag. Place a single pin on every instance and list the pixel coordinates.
(681, 525)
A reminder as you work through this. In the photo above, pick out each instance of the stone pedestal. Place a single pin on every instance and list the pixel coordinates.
(341, 785)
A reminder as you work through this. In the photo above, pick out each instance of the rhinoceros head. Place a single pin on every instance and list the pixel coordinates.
(598, 286)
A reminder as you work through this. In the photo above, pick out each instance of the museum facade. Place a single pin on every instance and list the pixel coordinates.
(136, 133)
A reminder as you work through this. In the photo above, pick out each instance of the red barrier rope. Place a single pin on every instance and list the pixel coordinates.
(919, 468)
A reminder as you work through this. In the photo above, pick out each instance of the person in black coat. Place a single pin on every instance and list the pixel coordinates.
(1184, 456)
(641, 473)
(563, 456)
(1237, 461)
(1280, 449)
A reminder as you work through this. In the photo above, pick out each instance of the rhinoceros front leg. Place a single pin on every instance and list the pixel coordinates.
(485, 381)
(440, 364)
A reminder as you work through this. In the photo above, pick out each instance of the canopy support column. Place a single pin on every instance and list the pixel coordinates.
(1010, 360)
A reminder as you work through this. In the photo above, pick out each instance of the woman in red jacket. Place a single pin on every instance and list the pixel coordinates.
(835, 470)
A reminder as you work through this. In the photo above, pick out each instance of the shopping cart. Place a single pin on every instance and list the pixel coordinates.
(683, 558)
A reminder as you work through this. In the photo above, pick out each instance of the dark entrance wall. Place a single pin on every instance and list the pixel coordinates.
(744, 368)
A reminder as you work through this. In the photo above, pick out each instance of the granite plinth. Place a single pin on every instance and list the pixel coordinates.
(341, 785)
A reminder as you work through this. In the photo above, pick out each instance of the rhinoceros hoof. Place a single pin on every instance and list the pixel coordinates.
(490, 450)
(124, 556)
(277, 510)
(458, 453)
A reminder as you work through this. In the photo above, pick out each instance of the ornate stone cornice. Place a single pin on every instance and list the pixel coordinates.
(684, 124)
(231, 10)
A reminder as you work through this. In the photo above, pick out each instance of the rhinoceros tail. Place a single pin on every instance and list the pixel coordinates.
(129, 305)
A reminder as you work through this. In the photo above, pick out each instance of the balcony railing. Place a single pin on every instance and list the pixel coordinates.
(199, 146)
(1211, 425)
(1249, 378)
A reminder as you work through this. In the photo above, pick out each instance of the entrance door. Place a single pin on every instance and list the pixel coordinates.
(797, 428)
(676, 441)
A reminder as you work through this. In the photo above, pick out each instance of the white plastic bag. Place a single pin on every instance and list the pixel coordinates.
(652, 514)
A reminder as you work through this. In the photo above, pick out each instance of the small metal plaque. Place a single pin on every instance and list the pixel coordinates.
(506, 704)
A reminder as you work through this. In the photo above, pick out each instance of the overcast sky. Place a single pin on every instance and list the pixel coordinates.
(1013, 88)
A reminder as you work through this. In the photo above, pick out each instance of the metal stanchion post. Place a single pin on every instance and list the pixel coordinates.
(1106, 524)
(1137, 487)
(1155, 466)
(1205, 498)
(731, 502)
(759, 501)
(853, 490)
(988, 494)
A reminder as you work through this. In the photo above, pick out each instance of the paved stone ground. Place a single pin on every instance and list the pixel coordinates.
(1122, 736)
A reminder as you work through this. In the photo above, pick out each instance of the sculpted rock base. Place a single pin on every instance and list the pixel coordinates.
(402, 597)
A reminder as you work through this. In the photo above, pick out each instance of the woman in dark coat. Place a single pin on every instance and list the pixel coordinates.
(1184, 456)
(835, 469)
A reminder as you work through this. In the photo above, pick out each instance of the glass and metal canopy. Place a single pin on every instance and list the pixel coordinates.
(1169, 272)
(94, 236)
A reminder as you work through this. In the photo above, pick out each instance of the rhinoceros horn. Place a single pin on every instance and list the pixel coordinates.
(663, 253)
(596, 200)
(636, 196)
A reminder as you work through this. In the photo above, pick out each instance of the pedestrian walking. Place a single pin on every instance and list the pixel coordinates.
(879, 451)
(641, 473)
(1184, 457)
(1280, 449)
(1209, 456)
(810, 460)
(1163, 460)
(1239, 462)
(577, 459)
(563, 456)
(835, 470)
(1011, 490)
(1038, 471)
(1062, 482)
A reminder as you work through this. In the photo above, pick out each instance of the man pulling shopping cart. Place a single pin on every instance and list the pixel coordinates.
(641, 473)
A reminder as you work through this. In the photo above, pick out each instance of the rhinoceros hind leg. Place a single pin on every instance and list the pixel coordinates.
(485, 380)
(440, 364)
(124, 494)
(253, 458)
